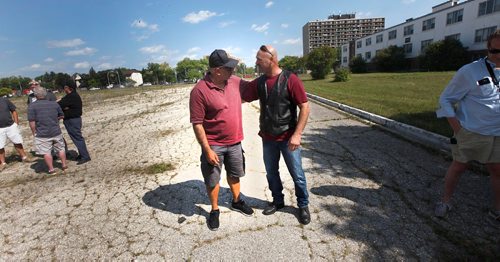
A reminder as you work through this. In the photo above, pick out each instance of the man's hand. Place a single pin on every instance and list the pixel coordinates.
(294, 142)
(212, 157)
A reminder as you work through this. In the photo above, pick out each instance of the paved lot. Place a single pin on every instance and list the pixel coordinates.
(372, 196)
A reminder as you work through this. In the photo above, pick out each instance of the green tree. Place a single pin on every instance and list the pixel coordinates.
(320, 61)
(189, 70)
(5, 91)
(358, 65)
(390, 59)
(167, 74)
(444, 55)
(152, 73)
(61, 79)
(342, 75)
(292, 63)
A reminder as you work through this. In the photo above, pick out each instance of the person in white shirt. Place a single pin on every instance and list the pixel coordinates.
(471, 104)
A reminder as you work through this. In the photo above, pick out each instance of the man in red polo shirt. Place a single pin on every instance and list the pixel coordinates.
(215, 112)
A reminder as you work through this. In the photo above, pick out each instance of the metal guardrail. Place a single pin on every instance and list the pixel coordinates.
(424, 137)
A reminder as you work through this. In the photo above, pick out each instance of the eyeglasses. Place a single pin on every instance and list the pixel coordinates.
(494, 51)
(264, 49)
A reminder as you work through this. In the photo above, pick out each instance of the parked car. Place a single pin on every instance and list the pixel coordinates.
(147, 84)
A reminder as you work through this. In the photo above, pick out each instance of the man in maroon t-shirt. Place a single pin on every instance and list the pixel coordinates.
(215, 112)
(280, 94)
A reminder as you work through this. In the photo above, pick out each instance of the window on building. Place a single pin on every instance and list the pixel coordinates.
(368, 41)
(454, 36)
(344, 59)
(428, 24)
(482, 34)
(454, 17)
(408, 30)
(408, 39)
(368, 55)
(345, 48)
(377, 51)
(392, 34)
(407, 48)
(488, 7)
(424, 44)
(379, 38)
(359, 44)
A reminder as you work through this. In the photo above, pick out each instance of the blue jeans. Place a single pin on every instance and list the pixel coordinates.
(272, 151)
(74, 128)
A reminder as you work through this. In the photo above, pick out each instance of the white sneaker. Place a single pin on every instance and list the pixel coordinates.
(441, 209)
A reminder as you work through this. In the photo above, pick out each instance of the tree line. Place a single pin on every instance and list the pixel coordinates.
(445, 55)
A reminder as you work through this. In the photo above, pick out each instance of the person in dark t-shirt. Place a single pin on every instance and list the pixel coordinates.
(9, 129)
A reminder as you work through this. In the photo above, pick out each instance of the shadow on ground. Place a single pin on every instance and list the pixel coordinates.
(184, 198)
(391, 186)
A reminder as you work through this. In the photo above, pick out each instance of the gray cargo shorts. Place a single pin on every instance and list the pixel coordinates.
(232, 157)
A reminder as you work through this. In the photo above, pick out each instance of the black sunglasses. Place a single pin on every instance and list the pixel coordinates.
(264, 49)
(494, 51)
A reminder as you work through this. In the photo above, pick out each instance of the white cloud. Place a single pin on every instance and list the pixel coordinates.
(154, 28)
(195, 18)
(152, 49)
(291, 41)
(232, 50)
(35, 66)
(269, 4)
(284, 25)
(83, 51)
(82, 65)
(193, 50)
(363, 14)
(406, 2)
(141, 24)
(226, 24)
(262, 28)
(104, 66)
(65, 43)
(49, 59)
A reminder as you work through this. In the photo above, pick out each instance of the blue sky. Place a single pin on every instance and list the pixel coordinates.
(72, 35)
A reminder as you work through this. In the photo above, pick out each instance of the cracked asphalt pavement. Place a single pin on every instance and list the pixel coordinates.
(372, 195)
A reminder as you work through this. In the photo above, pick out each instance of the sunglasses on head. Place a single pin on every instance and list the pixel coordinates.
(264, 49)
(494, 51)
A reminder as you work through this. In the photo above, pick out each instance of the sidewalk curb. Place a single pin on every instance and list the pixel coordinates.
(424, 137)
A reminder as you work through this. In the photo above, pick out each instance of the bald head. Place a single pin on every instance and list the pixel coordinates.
(269, 51)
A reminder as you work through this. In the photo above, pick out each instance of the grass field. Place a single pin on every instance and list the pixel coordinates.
(410, 98)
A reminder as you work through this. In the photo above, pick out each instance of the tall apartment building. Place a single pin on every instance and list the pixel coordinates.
(337, 30)
(470, 22)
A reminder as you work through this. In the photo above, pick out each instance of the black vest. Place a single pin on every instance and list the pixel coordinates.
(278, 113)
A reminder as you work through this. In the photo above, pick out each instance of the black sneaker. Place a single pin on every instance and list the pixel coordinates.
(304, 215)
(272, 208)
(213, 220)
(242, 207)
(83, 161)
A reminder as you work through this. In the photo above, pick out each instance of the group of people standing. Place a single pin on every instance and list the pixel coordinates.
(44, 114)
(470, 102)
(216, 116)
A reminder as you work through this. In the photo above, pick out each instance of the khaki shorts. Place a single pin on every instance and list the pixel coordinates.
(473, 146)
(12, 133)
(44, 145)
